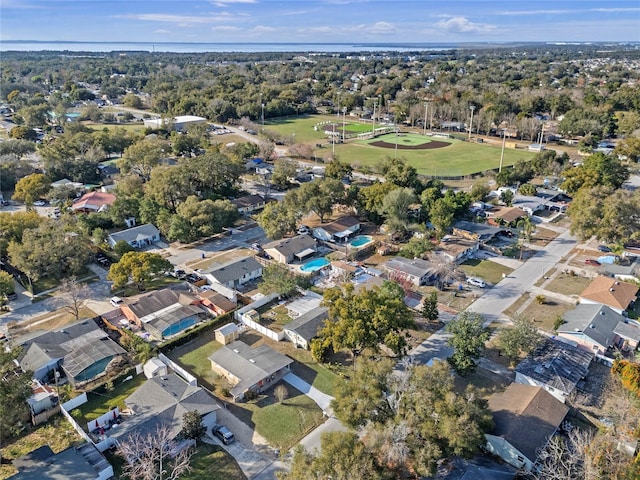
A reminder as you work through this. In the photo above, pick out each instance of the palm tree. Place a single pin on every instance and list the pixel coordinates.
(525, 228)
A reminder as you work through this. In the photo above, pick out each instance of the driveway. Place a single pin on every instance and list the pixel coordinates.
(322, 399)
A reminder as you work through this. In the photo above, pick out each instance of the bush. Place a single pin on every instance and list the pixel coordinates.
(557, 323)
(541, 299)
(629, 373)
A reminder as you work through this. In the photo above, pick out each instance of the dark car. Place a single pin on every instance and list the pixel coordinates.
(12, 296)
(591, 261)
(224, 434)
(179, 274)
(604, 248)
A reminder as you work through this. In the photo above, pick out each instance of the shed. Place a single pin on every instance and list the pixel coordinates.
(154, 368)
(227, 333)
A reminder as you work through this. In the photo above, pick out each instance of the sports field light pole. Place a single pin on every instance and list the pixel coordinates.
(396, 154)
(472, 107)
(504, 139)
(426, 110)
(373, 120)
(344, 115)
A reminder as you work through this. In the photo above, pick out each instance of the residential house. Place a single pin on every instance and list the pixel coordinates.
(82, 350)
(416, 271)
(344, 270)
(164, 312)
(234, 273)
(525, 417)
(611, 292)
(598, 328)
(475, 231)
(66, 183)
(93, 202)
(628, 269)
(82, 462)
(43, 398)
(505, 215)
(249, 203)
(216, 302)
(137, 237)
(227, 334)
(163, 401)
(287, 250)
(179, 123)
(304, 328)
(337, 231)
(556, 366)
(249, 369)
(457, 249)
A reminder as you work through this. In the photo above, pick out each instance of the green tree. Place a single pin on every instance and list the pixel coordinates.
(430, 307)
(366, 320)
(630, 148)
(132, 100)
(6, 284)
(201, 218)
(319, 196)
(277, 219)
(283, 170)
(506, 197)
(597, 169)
(398, 172)
(441, 215)
(395, 207)
(23, 133)
(192, 427)
(370, 200)
(528, 189)
(416, 247)
(468, 339)
(15, 389)
(141, 157)
(277, 278)
(342, 456)
(338, 170)
(137, 267)
(31, 188)
(520, 339)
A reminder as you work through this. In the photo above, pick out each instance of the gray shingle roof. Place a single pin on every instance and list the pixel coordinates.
(595, 321)
(80, 345)
(163, 401)
(158, 300)
(290, 246)
(140, 232)
(248, 201)
(234, 270)
(557, 364)
(248, 364)
(308, 324)
(43, 464)
(415, 267)
(483, 230)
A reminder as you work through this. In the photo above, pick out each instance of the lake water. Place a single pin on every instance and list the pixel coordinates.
(30, 45)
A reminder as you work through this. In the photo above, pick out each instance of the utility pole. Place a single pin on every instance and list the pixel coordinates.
(472, 107)
(504, 139)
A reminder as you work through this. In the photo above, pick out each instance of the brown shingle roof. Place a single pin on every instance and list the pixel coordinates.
(611, 292)
(509, 214)
(340, 225)
(526, 416)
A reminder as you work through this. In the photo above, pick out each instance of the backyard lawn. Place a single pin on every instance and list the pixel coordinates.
(211, 462)
(100, 403)
(486, 269)
(57, 433)
(281, 424)
(194, 356)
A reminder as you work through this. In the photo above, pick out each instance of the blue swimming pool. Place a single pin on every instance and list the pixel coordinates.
(360, 241)
(314, 265)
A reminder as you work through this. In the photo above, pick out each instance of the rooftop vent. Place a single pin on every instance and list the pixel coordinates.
(592, 326)
(617, 283)
(611, 290)
(236, 350)
(252, 360)
(602, 313)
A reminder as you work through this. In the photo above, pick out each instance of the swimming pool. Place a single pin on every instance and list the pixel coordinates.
(314, 265)
(360, 241)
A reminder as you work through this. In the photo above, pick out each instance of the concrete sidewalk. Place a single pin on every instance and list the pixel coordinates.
(322, 399)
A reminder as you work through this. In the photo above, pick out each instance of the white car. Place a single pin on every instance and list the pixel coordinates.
(39, 203)
(476, 282)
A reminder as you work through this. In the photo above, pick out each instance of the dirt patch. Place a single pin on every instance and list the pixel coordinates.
(423, 146)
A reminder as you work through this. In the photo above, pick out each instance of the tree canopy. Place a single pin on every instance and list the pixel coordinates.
(137, 267)
(468, 339)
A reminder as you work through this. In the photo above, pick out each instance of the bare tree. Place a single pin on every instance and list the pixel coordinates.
(71, 296)
(281, 393)
(154, 456)
(564, 457)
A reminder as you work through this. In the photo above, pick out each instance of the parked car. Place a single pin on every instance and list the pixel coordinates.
(303, 229)
(39, 203)
(591, 261)
(116, 301)
(12, 296)
(224, 434)
(179, 274)
(604, 248)
(256, 247)
(476, 282)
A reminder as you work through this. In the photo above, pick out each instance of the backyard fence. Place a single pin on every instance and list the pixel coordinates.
(178, 369)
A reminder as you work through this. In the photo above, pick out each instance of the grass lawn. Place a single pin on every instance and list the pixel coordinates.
(568, 285)
(51, 320)
(281, 424)
(459, 159)
(543, 236)
(544, 316)
(57, 433)
(155, 284)
(194, 356)
(100, 403)
(485, 269)
(513, 308)
(211, 462)
(128, 127)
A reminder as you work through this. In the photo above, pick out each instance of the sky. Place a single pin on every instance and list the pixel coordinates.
(326, 21)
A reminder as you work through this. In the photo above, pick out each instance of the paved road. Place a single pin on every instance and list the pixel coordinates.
(497, 299)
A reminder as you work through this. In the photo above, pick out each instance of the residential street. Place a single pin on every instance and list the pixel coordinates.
(498, 298)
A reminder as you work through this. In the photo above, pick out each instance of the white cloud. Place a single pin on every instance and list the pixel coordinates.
(226, 3)
(613, 9)
(263, 29)
(324, 29)
(225, 28)
(179, 19)
(160, 30)
(382, 28)
(534, 12)
(463, 25)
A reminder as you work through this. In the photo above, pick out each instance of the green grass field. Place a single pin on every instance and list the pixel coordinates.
(458, 159)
